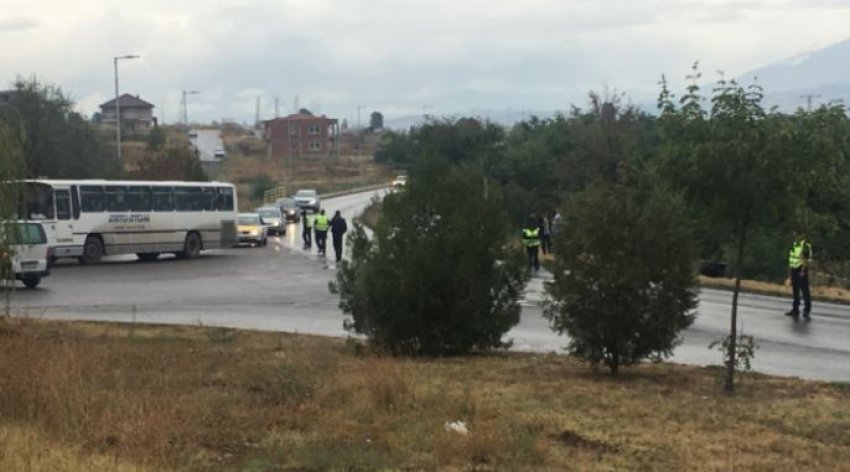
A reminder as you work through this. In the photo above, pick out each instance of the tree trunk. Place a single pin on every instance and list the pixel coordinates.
(733, 330)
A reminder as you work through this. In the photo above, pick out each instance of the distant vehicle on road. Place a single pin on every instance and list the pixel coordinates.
(307, 199)
(29, 253)
(218, 153)
(88, 219)
(193, 133)
(400, 181)
(251, 229)
(272, 219)
(288, 208)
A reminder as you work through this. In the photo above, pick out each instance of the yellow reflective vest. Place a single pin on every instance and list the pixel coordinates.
(795, 255)
(321, 222)
(531, 237)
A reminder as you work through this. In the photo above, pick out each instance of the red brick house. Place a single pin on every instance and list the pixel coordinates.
(300, 135)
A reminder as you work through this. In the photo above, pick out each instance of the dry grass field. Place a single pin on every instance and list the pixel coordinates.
(86, 396)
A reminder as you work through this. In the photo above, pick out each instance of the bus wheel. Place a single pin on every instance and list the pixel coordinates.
(92, 250)
(191, 248)
(31, 281)
(147, 256)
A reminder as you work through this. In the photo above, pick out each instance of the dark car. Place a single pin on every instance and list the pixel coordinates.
(288, 208)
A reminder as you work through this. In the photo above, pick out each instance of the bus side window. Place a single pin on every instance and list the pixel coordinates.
(139, 198)
(92, 198)
(75, 202)
(162, 199)
(63, 204)
(209, 197)
(116, 197)
(225, 199)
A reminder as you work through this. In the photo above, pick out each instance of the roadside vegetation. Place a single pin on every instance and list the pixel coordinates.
(134, 397)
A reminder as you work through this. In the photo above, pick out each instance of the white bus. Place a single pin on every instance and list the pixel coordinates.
(88, 219)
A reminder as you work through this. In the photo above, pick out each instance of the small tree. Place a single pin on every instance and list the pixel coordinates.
(623, 286)
(435, 278)
(735, 165)
(11, 171)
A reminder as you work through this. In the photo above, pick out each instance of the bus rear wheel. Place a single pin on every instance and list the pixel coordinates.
(147, 256)
(191, 248)
(92, 251)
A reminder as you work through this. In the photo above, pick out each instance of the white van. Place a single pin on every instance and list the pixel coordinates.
(28, 253)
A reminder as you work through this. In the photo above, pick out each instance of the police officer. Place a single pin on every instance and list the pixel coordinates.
(307, 228)
(338, 229)
(798, 267)
(531, 240)
(321, 225)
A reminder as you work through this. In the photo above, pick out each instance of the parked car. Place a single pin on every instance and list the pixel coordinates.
(400, 181)
(218, 153)
(307, 199)
(28, 254)
(272, 219)
(288, 208)
(251, 229)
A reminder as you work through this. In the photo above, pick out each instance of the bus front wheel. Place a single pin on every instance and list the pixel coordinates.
(191, 248)
(92, 250)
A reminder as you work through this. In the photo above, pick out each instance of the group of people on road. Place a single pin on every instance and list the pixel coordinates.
(316, 226)
(537, 235)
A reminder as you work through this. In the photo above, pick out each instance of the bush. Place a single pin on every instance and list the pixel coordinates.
(435, 278)
(624, 275)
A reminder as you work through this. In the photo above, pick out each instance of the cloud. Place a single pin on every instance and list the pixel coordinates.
(13, 24)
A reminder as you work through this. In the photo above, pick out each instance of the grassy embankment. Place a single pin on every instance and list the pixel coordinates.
(91, 396)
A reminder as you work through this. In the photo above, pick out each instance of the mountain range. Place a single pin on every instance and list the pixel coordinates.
(806, 80)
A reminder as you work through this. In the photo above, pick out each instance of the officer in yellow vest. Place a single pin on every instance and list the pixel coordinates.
(321, 225)
(531, 241)
(799, 257)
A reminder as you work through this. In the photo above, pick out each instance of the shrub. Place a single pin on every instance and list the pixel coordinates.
(623, 276)
(435, 278)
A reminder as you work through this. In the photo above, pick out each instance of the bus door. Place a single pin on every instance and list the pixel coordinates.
(64, 218)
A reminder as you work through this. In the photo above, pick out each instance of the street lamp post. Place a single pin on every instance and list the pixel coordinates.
(186, 106)
(117, 105)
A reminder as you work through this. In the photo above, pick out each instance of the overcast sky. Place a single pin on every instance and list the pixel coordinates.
(401, 57)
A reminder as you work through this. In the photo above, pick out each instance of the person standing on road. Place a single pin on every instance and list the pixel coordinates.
(799, 258)
(546, 234)
(307, 228)
(531, 240)
(338, 229)
(321, 225)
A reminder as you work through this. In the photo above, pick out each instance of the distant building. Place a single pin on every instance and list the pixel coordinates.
(301, 134)
(136, 114)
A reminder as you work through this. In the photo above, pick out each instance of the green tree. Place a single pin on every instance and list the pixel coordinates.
(156, 139)
(397, 149)
(435, 278)
(734, 165)
(59, 142)
(376, 120)
(623, 279)
(174, 162)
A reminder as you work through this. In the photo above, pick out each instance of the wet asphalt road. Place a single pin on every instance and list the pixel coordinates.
(284, 287)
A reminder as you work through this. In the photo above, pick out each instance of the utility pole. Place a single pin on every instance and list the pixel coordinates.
(809, 98)
(115, 60)
(257, 114)
(186, 106)
(276, 108)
